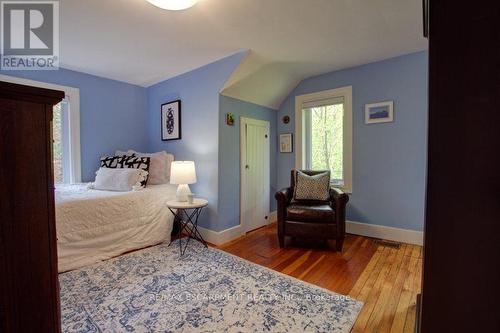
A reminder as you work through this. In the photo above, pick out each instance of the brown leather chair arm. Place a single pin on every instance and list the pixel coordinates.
(338, 198)
(338, 201)
(284, 196)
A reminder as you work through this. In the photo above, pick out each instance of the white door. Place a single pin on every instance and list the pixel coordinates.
(255, 170)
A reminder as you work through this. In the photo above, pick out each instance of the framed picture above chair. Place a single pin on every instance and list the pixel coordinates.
(382, 112)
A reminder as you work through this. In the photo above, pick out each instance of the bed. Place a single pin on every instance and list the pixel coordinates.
(97, 225)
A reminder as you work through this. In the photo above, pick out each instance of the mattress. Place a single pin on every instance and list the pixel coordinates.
(97, 225)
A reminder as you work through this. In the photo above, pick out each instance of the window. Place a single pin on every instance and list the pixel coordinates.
(61, 143)
(66, 142)
(65, 130)
(324, 141)
(324, 134)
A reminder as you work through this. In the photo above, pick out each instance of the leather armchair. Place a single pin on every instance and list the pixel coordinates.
(311, 219)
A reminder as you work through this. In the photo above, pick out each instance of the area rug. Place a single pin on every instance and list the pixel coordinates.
(206, 290)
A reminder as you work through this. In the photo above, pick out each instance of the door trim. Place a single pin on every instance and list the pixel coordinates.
(243, 141)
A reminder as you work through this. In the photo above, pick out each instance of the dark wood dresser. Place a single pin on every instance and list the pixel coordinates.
(460, 288)
(29, 300)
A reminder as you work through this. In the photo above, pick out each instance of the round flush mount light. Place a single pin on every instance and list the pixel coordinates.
(173, 4)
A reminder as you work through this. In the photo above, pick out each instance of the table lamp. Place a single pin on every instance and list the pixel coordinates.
(182, 173)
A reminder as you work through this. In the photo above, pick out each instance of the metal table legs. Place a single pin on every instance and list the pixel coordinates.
(188, 223)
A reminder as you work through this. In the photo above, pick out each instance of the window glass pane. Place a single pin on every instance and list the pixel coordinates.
(326, 143)
(57, 147)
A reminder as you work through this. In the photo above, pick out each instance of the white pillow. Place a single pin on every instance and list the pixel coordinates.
(109, 179)
(170, 159)
(123, 153)
(159, 166)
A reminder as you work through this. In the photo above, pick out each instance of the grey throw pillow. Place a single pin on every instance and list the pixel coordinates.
(315, 187)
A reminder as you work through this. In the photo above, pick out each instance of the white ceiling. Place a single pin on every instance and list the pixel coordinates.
(133, 41)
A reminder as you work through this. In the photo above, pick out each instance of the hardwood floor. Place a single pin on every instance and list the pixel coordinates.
(386, 278)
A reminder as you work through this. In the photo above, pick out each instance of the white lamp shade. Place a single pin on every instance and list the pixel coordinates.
(173, 4)
(182, 172)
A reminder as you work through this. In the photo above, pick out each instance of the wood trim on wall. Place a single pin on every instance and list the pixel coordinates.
(383, 232)
(352, 227)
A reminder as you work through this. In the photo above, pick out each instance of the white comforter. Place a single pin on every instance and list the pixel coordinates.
(97, 225)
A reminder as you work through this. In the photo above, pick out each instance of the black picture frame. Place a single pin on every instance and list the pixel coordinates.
(171, 129)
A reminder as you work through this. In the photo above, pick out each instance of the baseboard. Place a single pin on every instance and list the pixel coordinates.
(227, 235)
(387, 233)
(356, 228)
(221, 237)
(273, 216)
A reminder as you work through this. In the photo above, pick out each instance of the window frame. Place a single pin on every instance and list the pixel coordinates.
(73, 98)
(301, 141)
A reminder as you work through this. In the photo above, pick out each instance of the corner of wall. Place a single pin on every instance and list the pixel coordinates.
(198, 91)
(382, 177)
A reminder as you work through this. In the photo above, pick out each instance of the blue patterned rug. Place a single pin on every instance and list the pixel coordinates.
(207, 290)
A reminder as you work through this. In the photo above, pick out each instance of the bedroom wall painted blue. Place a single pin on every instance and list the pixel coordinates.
(199, 92)
(389, 160)
(229, 156)
(112, 114)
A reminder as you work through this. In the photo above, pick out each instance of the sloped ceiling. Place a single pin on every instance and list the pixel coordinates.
(133, 41)
(261, 81)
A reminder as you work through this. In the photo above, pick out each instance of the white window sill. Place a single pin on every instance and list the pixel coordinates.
(343, 189)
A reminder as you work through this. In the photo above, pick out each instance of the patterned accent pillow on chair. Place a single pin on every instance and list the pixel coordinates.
(316, 187)
(137, 163)
(111, 162)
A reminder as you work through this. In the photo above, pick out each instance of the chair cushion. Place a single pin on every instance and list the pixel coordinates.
(314, 187)
(318, 213)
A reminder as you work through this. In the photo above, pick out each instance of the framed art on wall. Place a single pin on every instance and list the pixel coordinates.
(286, 143)
(230, 119)
(382, 112)
(171, 121)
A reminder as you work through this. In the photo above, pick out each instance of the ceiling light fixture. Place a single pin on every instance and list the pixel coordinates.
(173, 4)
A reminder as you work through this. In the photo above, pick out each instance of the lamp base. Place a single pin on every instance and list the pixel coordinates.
(182, 192)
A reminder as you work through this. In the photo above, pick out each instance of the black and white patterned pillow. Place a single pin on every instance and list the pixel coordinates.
(113, 162)
(316, 187)
(137, 163)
